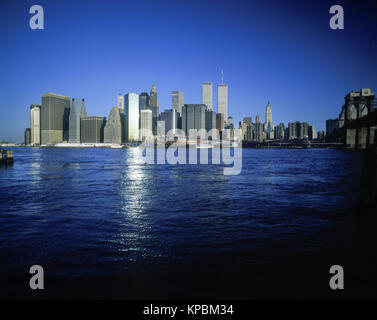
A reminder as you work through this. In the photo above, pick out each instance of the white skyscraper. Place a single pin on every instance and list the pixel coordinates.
(177, 101)
(222, 99)
(35, 124)
(132, 116)
(146, 124)
(268, 126)
(207, 94)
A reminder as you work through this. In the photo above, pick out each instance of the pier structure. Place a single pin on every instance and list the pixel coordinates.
(6, 156)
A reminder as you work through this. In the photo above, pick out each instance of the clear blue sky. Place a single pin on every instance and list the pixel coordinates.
(278, 51)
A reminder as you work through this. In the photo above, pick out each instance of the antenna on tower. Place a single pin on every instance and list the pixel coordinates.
(222, 76)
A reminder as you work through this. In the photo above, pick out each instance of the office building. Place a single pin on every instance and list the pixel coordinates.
(27, 136)
(321, 135)
(121, 102)
(193, 117)
(145, 124)
(177, 101)
(170, 117)
(268, 126)
(207, 95)
(220, 121)
(92, 129)
(298, 130)
(113, 127)
(331, 126)
(279, 132)
(260, 135)
(210, 120)
(222, 99)
(143, 101)
(77, 112)
(131, 112)
(54, 118)
(312, 135)
(153, 105)
(35, 124)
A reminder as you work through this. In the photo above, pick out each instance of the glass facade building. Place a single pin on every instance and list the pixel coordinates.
(77, 112)
(132, 116)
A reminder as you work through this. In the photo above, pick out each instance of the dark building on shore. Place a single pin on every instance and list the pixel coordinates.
(27, 136)
(331, 126)
(92, 129)
(54, 118)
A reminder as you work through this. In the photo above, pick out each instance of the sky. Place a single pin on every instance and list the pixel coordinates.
(282, 52)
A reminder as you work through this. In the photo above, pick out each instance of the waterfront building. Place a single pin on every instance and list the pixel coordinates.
(298, 130)
(247, 129)
(321, 135)
(27, 136)
(153, 105)
(207, 95)
(35, 124)
(170, 117)
(121, 102)
(210, 120)
(92, 129)
(220, 121)
(260, 135)
(132, 116)
(76, 112)
(279, 132)
(177, 100)
(113, 127)
(222, 99)
(331, 126)
(143, 101)
(145, 124)
(268, 126)
(193, 117)
(54, 118)
(312, 133)
(229, 123)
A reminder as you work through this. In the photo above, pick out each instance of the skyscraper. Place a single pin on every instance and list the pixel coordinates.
(170, 118)
(54, 118)
(113, 127)
(143, 101)
(153, 104)
(177, 101)
(210, 120)
(77, 112)
(145, 124)
(222, 99)
(268, 126)
(132, 116)
(193, 117)
(121, 102)
(27, 136)
(35, 124)
(92, 129)
(259, 134)
(220, 121)
(207, 94)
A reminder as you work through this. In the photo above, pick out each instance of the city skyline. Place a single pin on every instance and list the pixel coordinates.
(264, 55)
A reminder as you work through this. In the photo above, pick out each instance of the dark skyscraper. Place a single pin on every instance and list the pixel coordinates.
(143, 101)
(54, 118)
(153, 104)
(92, 129)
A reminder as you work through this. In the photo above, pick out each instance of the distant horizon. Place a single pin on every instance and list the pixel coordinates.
(284, 53)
